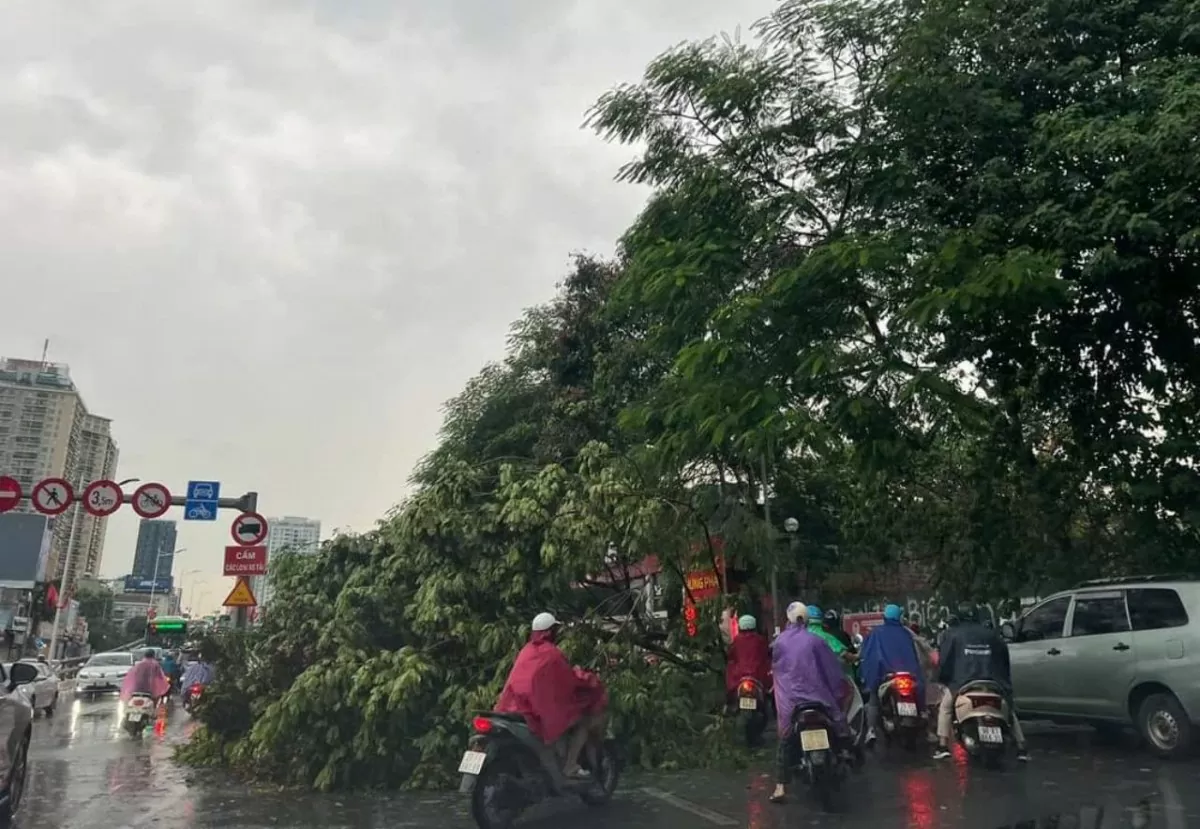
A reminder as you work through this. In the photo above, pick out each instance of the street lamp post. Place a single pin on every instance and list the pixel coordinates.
(66, 577)
(192, 589)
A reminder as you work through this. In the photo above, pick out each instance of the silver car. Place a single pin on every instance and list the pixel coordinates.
(1113, 653)
(17, 718)
(102, 673)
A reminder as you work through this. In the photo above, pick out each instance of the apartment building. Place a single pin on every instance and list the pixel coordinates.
(289, 534)
(46, 431)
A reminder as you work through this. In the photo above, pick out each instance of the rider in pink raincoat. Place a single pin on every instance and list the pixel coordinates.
(146, 677)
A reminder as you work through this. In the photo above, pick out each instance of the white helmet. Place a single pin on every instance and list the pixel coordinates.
(796, 611)
(747, 622)
(544, 621)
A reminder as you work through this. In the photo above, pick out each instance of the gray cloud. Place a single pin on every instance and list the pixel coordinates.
(271, 237)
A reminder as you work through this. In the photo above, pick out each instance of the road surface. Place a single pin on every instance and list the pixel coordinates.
(87, 774)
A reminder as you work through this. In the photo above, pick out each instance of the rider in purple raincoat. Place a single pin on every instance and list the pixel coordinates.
(805, 671)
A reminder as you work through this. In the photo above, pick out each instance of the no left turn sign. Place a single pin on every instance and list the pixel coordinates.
(151, 500)
(249, 529)
(52, 496)
(102, 498)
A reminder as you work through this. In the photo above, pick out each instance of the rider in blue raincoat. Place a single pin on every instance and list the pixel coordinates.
(889, 648)
(805, 671)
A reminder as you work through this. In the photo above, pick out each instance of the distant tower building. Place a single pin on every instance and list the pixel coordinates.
(155, 543)
(286, 535)
(46, 431)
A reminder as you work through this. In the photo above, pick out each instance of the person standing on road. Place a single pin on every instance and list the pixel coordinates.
(972, 652)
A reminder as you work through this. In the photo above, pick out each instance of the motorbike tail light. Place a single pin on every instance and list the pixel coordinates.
(985, 701)
(747, 687)
(905, 685)
(813, 718)
(482, 725)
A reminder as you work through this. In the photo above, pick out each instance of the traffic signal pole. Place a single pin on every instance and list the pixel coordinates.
(246, 503)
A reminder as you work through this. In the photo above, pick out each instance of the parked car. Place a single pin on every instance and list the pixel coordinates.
(42, 693)
(1114, 653)
(17, 717)
(103, 673)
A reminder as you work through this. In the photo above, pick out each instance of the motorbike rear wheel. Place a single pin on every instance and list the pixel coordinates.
(495, 798)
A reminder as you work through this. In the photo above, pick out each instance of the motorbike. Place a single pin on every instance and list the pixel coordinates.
(191, 696)
(139, 715)
(820, 759)
(752, 705)
(983, 722)
(507, 769)
(901, 715)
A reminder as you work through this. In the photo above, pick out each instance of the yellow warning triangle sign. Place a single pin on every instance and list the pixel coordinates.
(241, 595)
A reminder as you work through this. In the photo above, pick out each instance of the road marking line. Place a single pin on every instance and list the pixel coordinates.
(686, 805)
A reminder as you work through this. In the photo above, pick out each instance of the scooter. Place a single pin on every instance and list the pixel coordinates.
(191, 695)
(983, 722)
(752, 705)
(900, 712)
(140, 714)
(819, 758)
(506, 769)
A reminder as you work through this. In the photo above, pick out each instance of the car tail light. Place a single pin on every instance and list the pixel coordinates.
(983, 701)
(747, 687)
(905, 685)
(482, 725)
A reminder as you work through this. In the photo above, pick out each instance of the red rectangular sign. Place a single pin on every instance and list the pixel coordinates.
(245, 561)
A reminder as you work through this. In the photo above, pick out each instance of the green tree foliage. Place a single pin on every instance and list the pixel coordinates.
(923, 275)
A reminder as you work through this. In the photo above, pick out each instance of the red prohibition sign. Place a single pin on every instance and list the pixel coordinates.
(52, 496)
(249, 529)
(102, 498)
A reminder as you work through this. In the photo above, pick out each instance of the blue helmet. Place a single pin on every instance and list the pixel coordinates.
(893, 613)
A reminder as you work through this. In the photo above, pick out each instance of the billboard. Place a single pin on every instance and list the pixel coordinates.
(24, 549)
(137, 584)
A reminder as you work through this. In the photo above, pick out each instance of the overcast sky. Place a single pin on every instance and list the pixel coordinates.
(272, 238)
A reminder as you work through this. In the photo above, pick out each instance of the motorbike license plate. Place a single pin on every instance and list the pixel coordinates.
(990, 734)
(906, 709)
(472, 762)
(815, 740)
(133, 716)
(748, 704)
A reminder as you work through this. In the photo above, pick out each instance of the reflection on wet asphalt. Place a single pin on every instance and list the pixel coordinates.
(87, 774)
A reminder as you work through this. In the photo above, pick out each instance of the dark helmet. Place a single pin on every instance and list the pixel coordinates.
(965, 613)
(832, 617)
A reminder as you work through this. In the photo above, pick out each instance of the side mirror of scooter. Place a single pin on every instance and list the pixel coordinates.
(858, 640)
(1008, 631)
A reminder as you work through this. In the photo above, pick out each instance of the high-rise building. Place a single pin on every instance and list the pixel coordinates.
(46, 431)
(286, 535)
(155, 548)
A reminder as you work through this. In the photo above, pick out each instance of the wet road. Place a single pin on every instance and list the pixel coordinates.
(87, 774)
